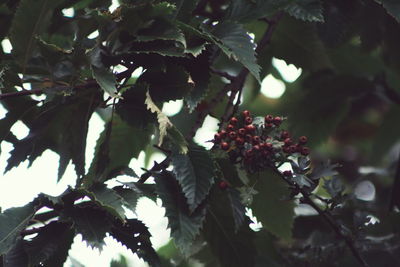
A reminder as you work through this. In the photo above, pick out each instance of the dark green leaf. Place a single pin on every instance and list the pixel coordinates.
(91, 222)
(50, 247)
(323, 169)
(232, 248)
(308, 10)
(238, 209)
(245, 10)
(272, 206)
(234, 41)
(108, 199)
(129, 197)
(184, 225)
(195, 173)
(106, 80)
(135, 236)
(31, 19)
(121, 262)
(334, 186)
(12, 222)
(16, 256)
(115, 151)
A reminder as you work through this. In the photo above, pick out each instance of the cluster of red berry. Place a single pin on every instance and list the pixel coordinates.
(258, 143)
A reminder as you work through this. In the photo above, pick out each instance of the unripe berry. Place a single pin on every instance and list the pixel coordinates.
(224, 146)
(277, 121)
(230, 128)
(232, 135)
(233, 121)
(303, 140)
(250, 128)
(239, 141)
(246, 113)
(305, 151)
(242, 131)
(287, 173)
(223, 185)
(268, 119)
(248, 120)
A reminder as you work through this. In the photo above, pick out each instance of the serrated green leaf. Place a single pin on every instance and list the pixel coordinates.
(272, 206)
(31, 19)
(91, 222)
(129, 197)
(195, 173)
(184, 225)
(12, 222)
(234, 41)
(136, 237)
(238, 209)
(108, 199)
(308, 10)
(231, 248)
(50, 247)
(113, 153)
(106, 80)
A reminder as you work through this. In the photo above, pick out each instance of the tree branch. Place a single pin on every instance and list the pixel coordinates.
(236, 84)
(327, 216)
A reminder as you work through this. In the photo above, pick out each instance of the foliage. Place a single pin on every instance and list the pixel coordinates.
(211, 55)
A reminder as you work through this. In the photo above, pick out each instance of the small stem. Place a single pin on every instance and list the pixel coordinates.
(156, 168)
(327, 216)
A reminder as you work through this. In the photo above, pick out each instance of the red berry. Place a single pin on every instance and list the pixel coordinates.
(233, 135)
(223, 185)
(286, 149)
(256, 140)
(246, 113)
(287, 173)
(268, 119)
(287, 141)
(248, 120)
(269, 125)
(222, 133)
(266, 153)
(250, 128)
(249, 153)
(303, 140)
(284, 135)
(268, 146)
(293, 149)
(242, 131)
(239, 141)
(224, 146)
(305, 151)
(217, 138)
(256, 148)
(248, 138)
(233, 121)
(277, 121)
(230, 128)
(299, 148)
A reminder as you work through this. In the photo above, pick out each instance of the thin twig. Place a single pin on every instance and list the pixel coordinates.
(223, 74)
(327, 216)
(156, 168)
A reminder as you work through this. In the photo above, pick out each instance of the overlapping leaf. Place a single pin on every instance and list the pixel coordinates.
(184, 225)
(195, 174)
(12, 222)
(272, 206)
(308, 10)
